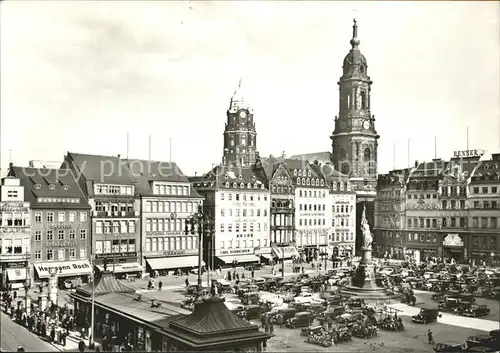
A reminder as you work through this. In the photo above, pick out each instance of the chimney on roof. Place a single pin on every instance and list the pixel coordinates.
(416, 164)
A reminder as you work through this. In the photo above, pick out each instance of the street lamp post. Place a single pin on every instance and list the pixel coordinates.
(91, 338)
(199, 222)
(27, 303)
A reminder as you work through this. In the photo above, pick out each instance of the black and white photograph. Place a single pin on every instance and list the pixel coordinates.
(249, 176)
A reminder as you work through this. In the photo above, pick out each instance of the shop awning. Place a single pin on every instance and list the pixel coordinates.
(64, 268)
(161, 263)
(125, 267)
(267, 256)
(16, 274)
(238, 258)
(289, 252)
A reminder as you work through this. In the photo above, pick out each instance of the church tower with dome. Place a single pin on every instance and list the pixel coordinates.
(355, 139)
(240, 136)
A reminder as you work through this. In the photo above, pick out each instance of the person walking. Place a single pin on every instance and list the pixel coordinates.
(187, 282)
(160, 285)
(430, 337)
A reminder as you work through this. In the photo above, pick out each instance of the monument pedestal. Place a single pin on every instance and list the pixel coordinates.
(364, 284)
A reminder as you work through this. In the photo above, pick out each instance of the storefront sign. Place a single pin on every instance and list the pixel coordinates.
(15, 229)
(116, 255)
(233, 252)
(260, 251)
(60, 226)
(453, 240)
(14, 207)
(468, 153)
(164, 233)
(20, 264)
(62, 244)
(174, 252)
(63, 268)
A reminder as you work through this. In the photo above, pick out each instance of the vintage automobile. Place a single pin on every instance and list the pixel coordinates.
(482, 341)
(283, 315)
(426, 315)
(251, 312)
(307, 297)
(247, 288)
(250, 298)
(356, 303)
(300, 319)
(449, 304)
(495, 293)
(332, 312)
(472, 310)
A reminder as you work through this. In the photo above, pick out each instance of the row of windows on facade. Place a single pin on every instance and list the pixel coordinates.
(10, 219)
(312, 222)
(243, 212)
(453, 205)
(243, 197)
(251, 226)
(242, 185)
(115, 246)
(242, 142)
(341, 236)
(61, 216)
(282, 203)
(389, 194)
(171, 243)
(422, 196)
(340, 222)
(171, 206)
(454, 222)
(486, 204)
(243, 243)
(103, 189)
(311, 193)
(104, 206)
(485, 190)
(61, 254)
(166, 189)
(310, 182)
(165, 224)
(282, 189)
(12, 194)
(61, 234)
(14, 246)
(311, 207)
(116, 227)
(453, 190)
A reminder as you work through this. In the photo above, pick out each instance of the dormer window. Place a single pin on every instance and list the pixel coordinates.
(309, 173)
(235, 185)
(322, 182)
(65, 187)
(298, 181)
(262, 186)
(240, 177)
(226, 176)
(249, 186)
(253, 177)
(255, 186)
(295, 172)
(37, 186)
(300, 172)
(242, 185)
(227, 184)
(52, 187)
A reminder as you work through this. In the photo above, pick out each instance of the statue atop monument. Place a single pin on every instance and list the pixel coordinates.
(367, 234)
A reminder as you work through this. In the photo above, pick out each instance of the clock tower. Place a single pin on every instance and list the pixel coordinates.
(240, 137)
(354, 139)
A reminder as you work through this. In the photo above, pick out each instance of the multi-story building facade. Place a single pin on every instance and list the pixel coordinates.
(110, 189)
(312, 208)
(167, 199)
(484, 212)
(453, 213)
(237, 198)
(15, 240)
(390, 207)
(60, 228)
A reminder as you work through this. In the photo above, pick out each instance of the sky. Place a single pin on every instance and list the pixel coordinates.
(78, 76)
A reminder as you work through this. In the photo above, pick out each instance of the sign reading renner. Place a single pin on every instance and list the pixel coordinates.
(468, 153)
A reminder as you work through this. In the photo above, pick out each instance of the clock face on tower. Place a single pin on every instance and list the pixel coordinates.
(366, 124)
(243, 114)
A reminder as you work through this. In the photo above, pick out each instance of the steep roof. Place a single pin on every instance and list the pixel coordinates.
(105, 284)
(325, 157)
(100, 169)
(144, 172)
(248, 177)
(50, 188)
(487, 170)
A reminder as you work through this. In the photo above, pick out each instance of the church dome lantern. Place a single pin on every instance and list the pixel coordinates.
(354, 61)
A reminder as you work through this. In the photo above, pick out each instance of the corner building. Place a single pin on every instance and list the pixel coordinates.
(60, 228)
(110, 189)
(237, 198)
(15, 240)
(167, 199)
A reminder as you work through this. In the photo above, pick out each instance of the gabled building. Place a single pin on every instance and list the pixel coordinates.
(60, 227)
(15, 240)
(109, 187)
(237, 198)
(282, 188)
(166, 200)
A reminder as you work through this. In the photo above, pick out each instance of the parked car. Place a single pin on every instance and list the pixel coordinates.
(283, 315)
(449, 347)
(472, 310)
(426, 315)
(449, 304)
(300, 319)
(307, 297)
